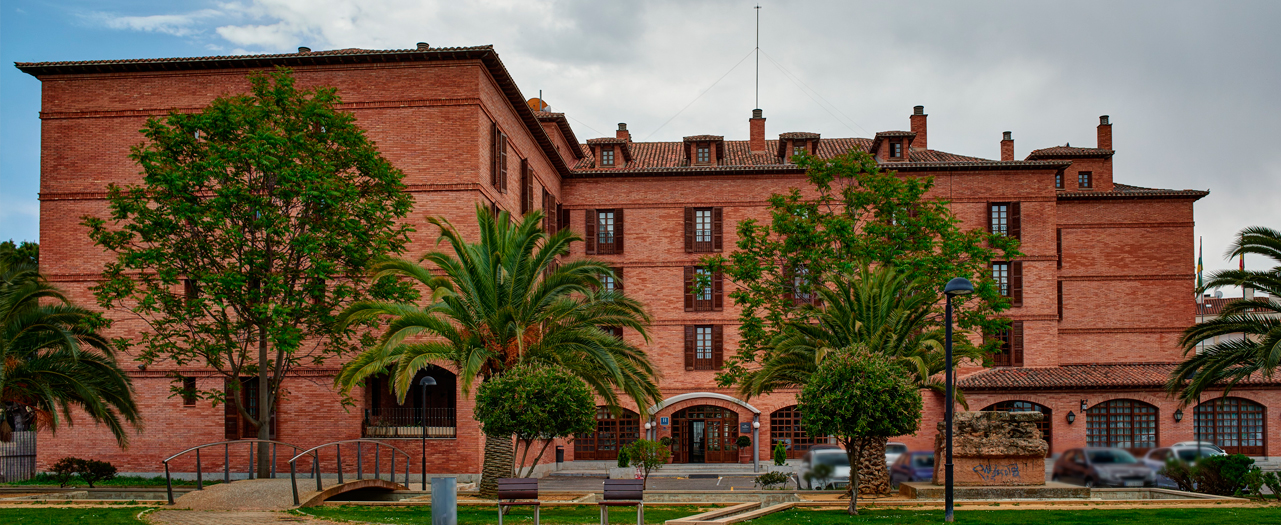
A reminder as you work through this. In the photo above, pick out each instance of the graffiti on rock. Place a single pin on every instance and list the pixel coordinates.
(998, 473)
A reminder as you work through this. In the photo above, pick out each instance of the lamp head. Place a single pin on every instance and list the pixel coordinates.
(427, 381)
(958, 286)
(1071, 417)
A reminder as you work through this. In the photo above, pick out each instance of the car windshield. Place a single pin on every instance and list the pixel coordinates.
(924, 460)
(1116, 456)
(835, 458)
(1190, 454)
(895, 449)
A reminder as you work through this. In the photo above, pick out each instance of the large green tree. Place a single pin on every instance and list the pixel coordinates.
(502, 302)
(879, 309)
(535, 403)
(53, 358)
(856, 396)
(852, 213)
(255, 223)
(1252, 347)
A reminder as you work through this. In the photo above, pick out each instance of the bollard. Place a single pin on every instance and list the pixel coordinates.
(444, 501)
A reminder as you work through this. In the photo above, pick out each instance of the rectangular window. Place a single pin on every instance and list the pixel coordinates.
(1008, 277)
(1010, 351)
(526, 188)
(704, 292)
(498, 160)
(607, 156)
(1058, 234)
(612, 281)
(703, 154)
(1058, 180)
(189, 391)
(896, 150)
(703, 230)
(801, 292)
(1060, 294)
(704, 347)
(708, 298)
(1001, 276)
(1000, 218)
(604, 232)
(1085, 179)
(190, 289)
(798, 148)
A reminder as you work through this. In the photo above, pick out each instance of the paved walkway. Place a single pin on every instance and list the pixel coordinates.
(196, 517)
(249, 495)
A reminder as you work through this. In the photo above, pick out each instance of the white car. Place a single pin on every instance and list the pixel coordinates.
(1157, 457)
(832, 472)
(893, 451)
(1204, 444)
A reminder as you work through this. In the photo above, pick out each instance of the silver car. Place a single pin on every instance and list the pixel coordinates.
(893, 451)
(1102, 467)
(825, 468)
(1157, 458)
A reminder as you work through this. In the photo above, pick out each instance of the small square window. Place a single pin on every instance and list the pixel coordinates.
(703, 154)
(1085, 179)
(607, 156)
(896, 150)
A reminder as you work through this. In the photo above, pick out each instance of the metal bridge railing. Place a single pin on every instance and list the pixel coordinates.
(314, 452)
(226, 460)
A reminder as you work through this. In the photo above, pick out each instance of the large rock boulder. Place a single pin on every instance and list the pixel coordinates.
(992, 448)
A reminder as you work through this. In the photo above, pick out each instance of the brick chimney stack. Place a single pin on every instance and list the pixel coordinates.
(757, 124)
(1105, 133)
(918, 127)
(1007, 146)
(622, 132)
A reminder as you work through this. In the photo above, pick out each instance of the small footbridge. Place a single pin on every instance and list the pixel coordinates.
(315, 474)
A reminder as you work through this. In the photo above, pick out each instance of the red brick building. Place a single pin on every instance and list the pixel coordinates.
(1100, 298)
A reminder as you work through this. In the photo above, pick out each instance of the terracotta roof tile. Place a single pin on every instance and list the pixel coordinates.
(1068, 152)
(704, 138)
(793, 135)
(1126, 191)
(1135, 375)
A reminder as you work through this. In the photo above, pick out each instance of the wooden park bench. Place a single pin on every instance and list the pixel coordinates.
(623, 493)
(519, 491)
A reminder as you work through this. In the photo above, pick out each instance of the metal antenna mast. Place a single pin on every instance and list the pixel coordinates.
(758, 55)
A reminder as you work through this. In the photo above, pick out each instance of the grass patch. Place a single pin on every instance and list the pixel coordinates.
(576, 515)
(45, 479)
(1178, 516)
(94, 515)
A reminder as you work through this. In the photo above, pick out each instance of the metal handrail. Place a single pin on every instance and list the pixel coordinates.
(315, 464)
(226, 461)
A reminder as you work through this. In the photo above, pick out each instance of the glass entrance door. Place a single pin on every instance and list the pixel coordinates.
(705, 434)
(698, 442)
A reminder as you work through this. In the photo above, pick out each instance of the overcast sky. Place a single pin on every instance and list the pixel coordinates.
(1193, 89)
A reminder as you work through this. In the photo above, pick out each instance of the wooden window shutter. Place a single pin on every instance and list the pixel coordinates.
(1016, 283)
(590, 230)
(526, 188)
(689, 347)
(231, 416)
(1060, 294)
(1016, 343)
(688, 289)
(548, 212)
(502, 176)
(689, 230)
(618, 278)
(1058, 233)
(718, 346)
(987, 210)
(1016, 223)
(618, 230)
(562, 217)
(718, 229)
(496, 139)
(718, 295)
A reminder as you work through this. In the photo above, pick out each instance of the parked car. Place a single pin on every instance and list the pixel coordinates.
(1157, 457)
(893, 451)
(1102, 467)
(912, 466)
(1204, 444)
(833, 460)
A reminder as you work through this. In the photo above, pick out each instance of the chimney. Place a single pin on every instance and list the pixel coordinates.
(1247, 293)
(918, 127)
(622, 132)
(1007, 146)
(1105, 133)
(304, 49)
(757, 138)
(422, 46)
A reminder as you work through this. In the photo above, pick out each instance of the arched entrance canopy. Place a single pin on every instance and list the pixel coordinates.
(700, 395)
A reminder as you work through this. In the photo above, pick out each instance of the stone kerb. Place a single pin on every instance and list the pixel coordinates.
(993, 449)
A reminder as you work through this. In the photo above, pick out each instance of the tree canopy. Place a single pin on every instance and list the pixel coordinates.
(535, 403)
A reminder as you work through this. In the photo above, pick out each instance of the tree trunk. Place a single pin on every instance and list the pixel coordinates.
(264, 407)
(874, 475)
(499, 456)
(854, 454)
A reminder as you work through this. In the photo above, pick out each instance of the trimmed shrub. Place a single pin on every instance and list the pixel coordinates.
(780, 454)
(623, 459)
(1222, 475)
(64, 469)
(769, 480)
(743, 441)
(93, 470)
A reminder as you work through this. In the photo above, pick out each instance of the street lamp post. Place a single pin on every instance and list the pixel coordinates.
(425, 382)
(957, 286)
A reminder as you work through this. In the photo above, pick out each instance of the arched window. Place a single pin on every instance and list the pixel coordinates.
(1236, 425)
(785, 427)
(705, 434)
(612, 433)
(1044, 425)
(1123, 423)
(427, 407)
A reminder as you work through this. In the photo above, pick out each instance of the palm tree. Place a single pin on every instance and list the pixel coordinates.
(53, 358)
(880, 311)
(1258, 353)
(501, 302)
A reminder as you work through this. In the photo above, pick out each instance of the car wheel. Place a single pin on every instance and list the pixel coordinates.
(1089, 483)
(1055, 478)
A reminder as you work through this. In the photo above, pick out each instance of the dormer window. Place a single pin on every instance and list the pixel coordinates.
(607, 156)
(703, 154)
(798, 148)
(896, 150)
(1085, 179)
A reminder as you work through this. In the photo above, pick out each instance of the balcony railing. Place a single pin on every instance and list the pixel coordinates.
(409, 423)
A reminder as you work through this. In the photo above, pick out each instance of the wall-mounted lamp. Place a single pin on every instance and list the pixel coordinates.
(143, 367)
(1178, 415)
(1084, 406)
(756, 424)
(1071, 417)
(648, 425)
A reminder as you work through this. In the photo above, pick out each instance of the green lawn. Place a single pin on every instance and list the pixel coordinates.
(578, 515)
(86, 515)
(588, 514)
(45, 479)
